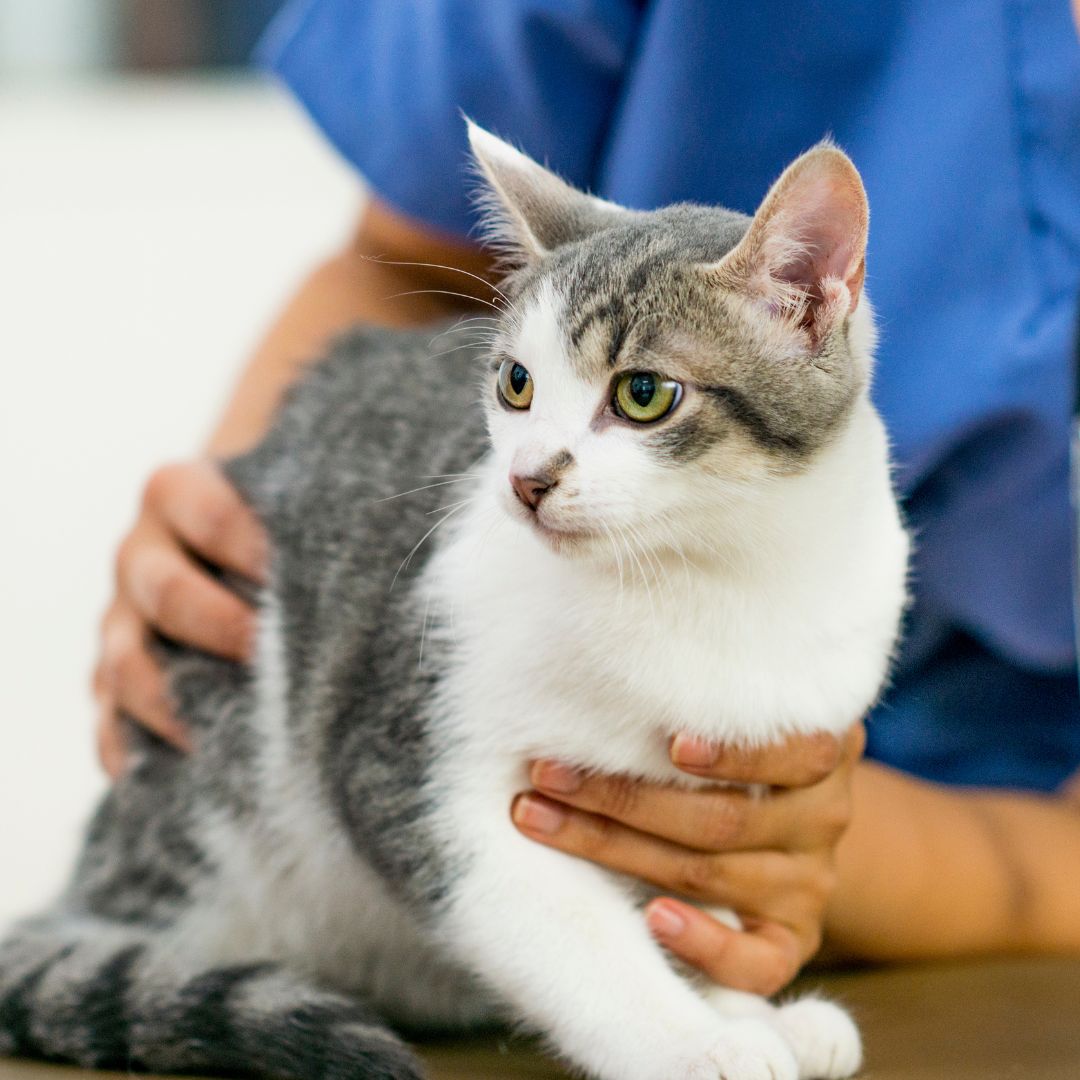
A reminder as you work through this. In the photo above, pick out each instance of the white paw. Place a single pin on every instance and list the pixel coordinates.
(748, 1050)
(824, 1038)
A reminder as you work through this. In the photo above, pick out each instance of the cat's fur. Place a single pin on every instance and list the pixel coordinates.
(339, 852)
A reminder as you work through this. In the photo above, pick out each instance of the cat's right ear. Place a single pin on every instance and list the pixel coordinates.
(527, 210)
(803, 259)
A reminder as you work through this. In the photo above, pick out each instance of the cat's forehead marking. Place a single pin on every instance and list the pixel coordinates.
(614, 300)
(626, 283)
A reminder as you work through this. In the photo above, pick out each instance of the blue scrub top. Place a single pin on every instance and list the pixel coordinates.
(964, 119)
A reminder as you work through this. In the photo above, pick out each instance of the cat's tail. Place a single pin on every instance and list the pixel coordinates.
(107, 995)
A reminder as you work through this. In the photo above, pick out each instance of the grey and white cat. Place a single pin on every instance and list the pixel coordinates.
(677, 518)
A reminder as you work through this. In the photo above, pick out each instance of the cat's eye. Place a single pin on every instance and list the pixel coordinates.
(515, 385)
(643, 396)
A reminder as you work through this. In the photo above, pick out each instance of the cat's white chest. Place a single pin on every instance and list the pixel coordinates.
(552, 657)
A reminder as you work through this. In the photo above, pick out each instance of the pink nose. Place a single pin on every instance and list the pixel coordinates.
(530, 489)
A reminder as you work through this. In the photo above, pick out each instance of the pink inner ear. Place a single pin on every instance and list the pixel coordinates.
(819, 221)
(803, 257)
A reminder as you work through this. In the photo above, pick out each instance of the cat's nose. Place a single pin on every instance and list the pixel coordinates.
(531, 489)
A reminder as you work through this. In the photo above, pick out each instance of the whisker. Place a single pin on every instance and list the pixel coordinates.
(438, 266)
(482, 333)
(632, 553)
(654, 558)
(618, 557)
(444, 292)
(477, 324)
(425, 487)
(676, 546)
(497, 519)
(408, 558)
(423, 631)
(448, 505)
(456, 348)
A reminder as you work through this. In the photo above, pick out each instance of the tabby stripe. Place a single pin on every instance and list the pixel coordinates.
(204, 1026)
(758, 427)
(102, 1011)
(17, 1008)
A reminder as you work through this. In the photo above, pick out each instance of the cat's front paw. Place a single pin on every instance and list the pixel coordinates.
(747, 1050)
(824, 1038)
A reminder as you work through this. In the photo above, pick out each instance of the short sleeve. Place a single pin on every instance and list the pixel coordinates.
(388, 81)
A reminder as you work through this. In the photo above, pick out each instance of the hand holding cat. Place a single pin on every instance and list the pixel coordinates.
(188, 512)
(769, 858)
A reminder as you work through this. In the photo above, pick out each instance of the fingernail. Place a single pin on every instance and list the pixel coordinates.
(556, 777)
(538, 815)
(693, 752)
(664, 921)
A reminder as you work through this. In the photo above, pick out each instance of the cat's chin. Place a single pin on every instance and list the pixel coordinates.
(563, 541)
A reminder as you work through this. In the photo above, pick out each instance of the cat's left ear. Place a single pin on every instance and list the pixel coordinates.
(803, 258)
(528, 210)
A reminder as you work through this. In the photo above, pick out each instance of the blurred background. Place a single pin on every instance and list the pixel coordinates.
(158, 199)
(42, 39)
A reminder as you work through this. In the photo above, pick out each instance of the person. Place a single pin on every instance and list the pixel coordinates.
(959, 832)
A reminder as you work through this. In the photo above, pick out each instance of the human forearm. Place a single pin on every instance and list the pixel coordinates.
(928, 871)
(362, 283)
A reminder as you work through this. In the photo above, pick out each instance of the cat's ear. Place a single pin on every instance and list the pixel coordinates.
(803, 258)
(528, 211)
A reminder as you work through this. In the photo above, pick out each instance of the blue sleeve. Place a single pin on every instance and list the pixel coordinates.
(387, 81)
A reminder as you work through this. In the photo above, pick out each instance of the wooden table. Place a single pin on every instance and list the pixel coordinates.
(1000, 1020)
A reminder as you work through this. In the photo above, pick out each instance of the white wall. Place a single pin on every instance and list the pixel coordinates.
(47, 38)
(148, 229)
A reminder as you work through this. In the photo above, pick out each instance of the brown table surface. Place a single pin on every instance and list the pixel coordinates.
(999, 1020)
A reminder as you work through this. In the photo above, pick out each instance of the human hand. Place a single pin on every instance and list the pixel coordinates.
(769, 858)
(188, 510)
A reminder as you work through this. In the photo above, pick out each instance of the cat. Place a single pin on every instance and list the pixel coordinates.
(672, 512)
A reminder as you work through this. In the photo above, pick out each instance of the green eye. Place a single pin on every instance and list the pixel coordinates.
(515, 385)
(643, 396)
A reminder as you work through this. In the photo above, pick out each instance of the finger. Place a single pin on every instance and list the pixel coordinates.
(706, 819)
(753, 883)
(761, 961)
(207, 513)
(186, 604)
(799, 761)
(135, 683)
(112, 752)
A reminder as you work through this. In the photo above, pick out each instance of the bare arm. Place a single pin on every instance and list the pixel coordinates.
(361, 283)
(928, 871)
(188, 508)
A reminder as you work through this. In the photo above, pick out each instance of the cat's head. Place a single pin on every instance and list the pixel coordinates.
(652, 369)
